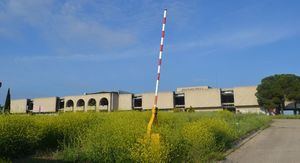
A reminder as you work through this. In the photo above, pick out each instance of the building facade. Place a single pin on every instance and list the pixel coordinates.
(202, 98)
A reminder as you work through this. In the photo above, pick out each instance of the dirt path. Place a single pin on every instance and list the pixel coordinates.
(276, 144)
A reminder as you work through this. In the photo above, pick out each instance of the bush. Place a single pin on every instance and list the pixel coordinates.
(22, 135)
(19, 136)
(176, 110)
(120, 136)
(109, 140)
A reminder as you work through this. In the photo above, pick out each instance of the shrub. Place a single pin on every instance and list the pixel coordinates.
(120, 136)
(206, 138)
(5, 160)
(150, 149)
(176, 110)
(109, 140)
(19, 136)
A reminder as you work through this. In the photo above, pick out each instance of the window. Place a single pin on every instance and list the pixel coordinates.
(179, 100)
(92, 102)
(80, 103)
(70, 104)
(137, 102)
(227, 96)
(104, 102)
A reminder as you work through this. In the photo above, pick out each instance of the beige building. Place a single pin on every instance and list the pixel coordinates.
(49, 104)
(202, 98)
(165, 100)
(101, 101)
(245, 100)
(19, 106)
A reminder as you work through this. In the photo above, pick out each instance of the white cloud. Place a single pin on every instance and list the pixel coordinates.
(60, 22)
(239, 38)
(86, 57)
(110, 28)
(106, 28)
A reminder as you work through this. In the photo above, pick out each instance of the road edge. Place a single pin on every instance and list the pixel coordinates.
(243, 140)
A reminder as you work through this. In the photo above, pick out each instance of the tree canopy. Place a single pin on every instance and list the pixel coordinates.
(275, 90)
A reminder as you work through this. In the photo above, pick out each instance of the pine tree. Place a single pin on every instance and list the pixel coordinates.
(275, 90)
(7, 102)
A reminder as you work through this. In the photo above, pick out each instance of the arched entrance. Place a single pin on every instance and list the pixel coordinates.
(70, 105)
(104, 104)
(92, 103)
(80, 104)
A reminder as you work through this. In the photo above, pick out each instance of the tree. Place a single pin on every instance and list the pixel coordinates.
(294, 93)
(275, 90)
(7, 102)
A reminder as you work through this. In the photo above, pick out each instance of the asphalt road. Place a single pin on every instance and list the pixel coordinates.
(279, 143)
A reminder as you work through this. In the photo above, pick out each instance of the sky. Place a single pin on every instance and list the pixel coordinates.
(68, 47)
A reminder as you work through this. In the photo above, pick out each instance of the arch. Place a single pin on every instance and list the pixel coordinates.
(80, 103)
(70, 104)
(92, 102)
(104, 102)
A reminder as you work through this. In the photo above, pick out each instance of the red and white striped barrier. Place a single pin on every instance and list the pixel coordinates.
(160, 56)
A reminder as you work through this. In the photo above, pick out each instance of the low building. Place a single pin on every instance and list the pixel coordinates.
(202, 98)
(245, 100)
(45, 105)
(100, 101)
(165, 100)
(19, 106)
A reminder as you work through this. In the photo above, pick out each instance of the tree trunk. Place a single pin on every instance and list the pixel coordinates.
(295, 108)
(282, 107)
(277, 110)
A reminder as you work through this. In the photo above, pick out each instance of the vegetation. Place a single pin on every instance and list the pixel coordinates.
(120, 136)
(286, 117)
(1, 108)
(6, 107)
(275, 90)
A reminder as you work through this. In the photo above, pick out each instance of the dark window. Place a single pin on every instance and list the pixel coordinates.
(61, 103)
(92, 102)
(103, 102)
(29, 105)
(179, 100)
(227, 97)
(80, 103)
(70, 103)
(137, 102)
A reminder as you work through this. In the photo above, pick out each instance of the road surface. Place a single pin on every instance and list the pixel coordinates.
(279, 143)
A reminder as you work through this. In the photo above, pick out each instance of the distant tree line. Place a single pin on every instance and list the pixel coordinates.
(274, 91)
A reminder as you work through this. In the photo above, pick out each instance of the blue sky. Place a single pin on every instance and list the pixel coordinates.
(64, 47)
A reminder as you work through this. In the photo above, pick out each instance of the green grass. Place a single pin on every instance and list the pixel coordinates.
(286, 117)
(120, 136)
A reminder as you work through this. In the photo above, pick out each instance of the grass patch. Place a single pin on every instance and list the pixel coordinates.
(120, 136)
(286, 117)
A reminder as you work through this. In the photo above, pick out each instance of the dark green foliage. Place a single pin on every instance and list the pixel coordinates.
(275, 90)
(22, 135)
(7, 102)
